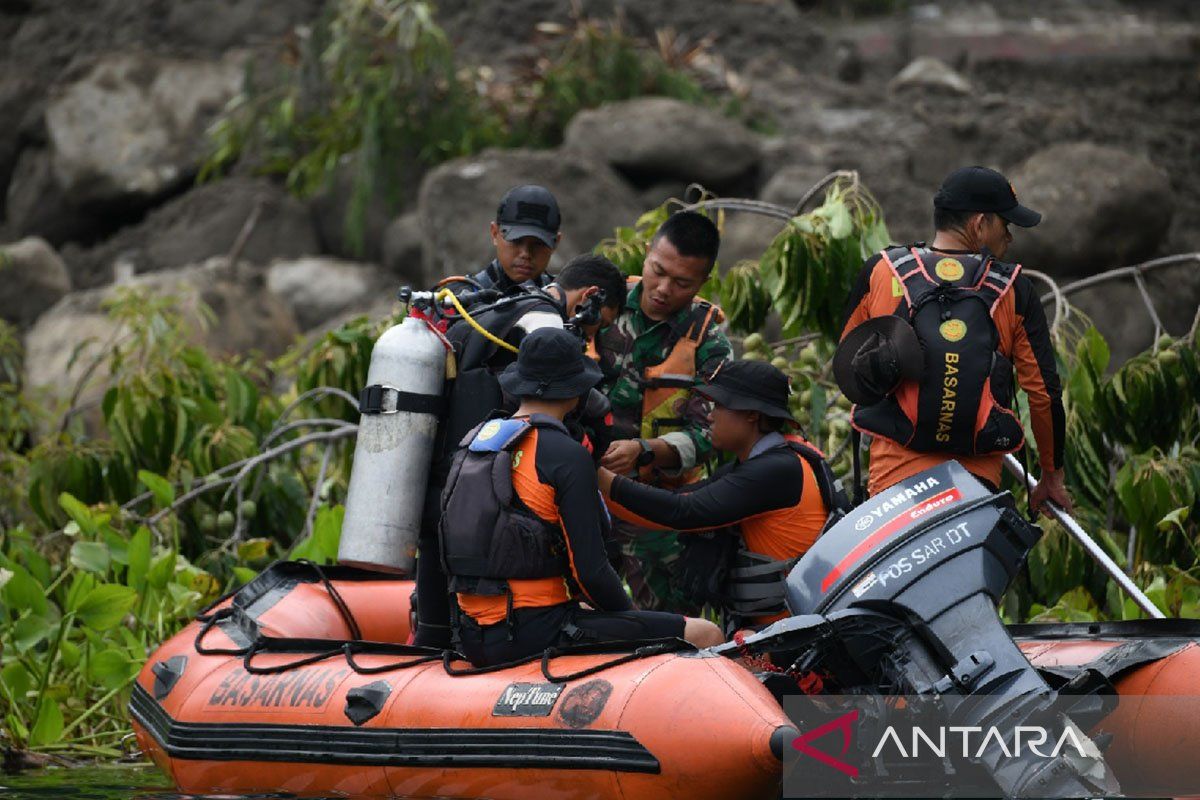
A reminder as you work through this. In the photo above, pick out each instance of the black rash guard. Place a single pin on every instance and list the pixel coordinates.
(770, 481)
(567, 490)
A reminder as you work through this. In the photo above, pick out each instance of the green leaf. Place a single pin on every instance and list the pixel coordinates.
(244, 575)
(139, 559)
(112, 668)
(16, 679)
(29, 632)
(105, 606)
(49, 725)
(69, 654)
(81, 584)
(162, 569)
(22, 591)
(253, 550)
(80, 514)
(90, 557)
(16, 727)
(1157, 593)
(160, 487)
(1175, 519)
(327, 530)
(118, 545)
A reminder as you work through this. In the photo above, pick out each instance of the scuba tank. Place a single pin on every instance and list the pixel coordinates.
(400, 407)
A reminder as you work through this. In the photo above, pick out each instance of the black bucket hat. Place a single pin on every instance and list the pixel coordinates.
(875, 357)
(550, 365)
(750, 386)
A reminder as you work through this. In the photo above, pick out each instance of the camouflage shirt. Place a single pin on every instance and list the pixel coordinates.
(635, 342)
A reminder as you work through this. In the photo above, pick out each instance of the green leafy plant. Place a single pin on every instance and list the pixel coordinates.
(374, 87)
(375, 79)
(199, 478)
(594, 62)
(78, 615)
(808, 270)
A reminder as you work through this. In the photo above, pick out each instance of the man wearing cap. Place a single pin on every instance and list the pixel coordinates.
(525, 234)
(665, 341)
(930, 367)
(776, 497)
(523, 524)
(588, 286)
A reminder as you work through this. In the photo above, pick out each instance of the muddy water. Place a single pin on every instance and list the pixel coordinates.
(107, 783)
(97, 783)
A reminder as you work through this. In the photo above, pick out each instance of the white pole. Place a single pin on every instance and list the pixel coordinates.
(1089, 544)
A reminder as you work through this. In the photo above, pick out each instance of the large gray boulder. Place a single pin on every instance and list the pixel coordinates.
(655, 138)
(205, 222)
(791, 183)
(132, 128)
(75, 332)
(320, 289)
(458, 200)
(1101, 208)
(32, 278)
(37, 206)
(402, 250)
(746, 236)
(1119, 313)
(332, 207)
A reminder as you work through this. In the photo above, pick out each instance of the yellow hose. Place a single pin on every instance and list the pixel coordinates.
(491, 337)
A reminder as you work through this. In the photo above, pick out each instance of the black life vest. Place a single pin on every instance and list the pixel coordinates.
(487, 535)
(962, 403)
(717, 569)
(474, 394)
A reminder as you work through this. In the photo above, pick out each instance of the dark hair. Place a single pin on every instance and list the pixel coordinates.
(593, 270)
(692, 234)
(770, 424)
(949, 219)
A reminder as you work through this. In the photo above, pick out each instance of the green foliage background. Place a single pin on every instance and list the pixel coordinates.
(376, 85)
(118, 523)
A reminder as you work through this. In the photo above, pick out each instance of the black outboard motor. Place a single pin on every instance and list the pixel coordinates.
(909, 584)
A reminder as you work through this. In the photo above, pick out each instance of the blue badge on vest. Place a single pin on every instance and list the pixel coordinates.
(497, 434)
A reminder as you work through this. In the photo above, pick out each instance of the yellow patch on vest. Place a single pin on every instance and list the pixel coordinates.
(953, 329)
(949, 269)
(897, 289)
(488, 431)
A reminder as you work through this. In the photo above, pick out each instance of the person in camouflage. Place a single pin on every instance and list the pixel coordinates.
(664, 342)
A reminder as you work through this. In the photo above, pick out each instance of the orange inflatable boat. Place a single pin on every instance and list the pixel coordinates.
(291, 686)
(266, 695)
(301, 683)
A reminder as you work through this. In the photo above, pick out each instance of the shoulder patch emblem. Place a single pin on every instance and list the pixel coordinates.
(949, 269)
(953, 329)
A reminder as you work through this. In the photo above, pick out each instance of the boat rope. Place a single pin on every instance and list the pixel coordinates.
(645, 648)
(655, 648)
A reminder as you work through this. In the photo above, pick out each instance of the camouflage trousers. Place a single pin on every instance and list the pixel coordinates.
(648, 559)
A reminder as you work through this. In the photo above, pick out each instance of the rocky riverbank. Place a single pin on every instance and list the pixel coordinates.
(1090, 108)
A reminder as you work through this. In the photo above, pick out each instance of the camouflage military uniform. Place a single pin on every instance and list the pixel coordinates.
(626, 349)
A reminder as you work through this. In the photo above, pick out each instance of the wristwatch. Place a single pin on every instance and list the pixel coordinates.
(646, 457)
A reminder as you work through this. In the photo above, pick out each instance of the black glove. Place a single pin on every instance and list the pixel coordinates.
(595, 415)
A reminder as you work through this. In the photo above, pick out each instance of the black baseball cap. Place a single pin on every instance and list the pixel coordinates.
(529, 211)
(750, 386)
(983, 189)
